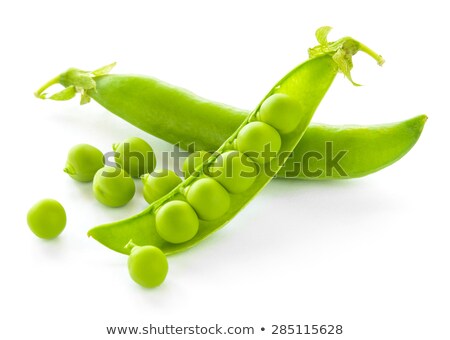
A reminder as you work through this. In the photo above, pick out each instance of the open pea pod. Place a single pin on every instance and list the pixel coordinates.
(307, 83)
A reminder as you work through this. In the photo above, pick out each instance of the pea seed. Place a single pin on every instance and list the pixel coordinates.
(234, 170)
(147, 266)
(83, 161)
(158, 184)
(135, 156)
(281, 111)
(259, 141)
(176, 222)
(47, 218)
(193, 161)
(209, 199)
(113, 186)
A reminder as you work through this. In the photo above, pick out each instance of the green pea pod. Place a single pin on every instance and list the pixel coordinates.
(194, 123)
(308, 84)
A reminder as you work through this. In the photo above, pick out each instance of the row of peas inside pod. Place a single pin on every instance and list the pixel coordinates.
(210, 182)
(214, 177)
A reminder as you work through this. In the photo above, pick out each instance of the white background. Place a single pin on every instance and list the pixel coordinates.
(371, 254)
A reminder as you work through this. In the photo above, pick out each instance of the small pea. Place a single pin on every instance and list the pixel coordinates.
(176, 222)
(47, 218)
(158, 184)
(281, 111)
(83, 161)
(234, 170)
(193, 161)
(135, 156)
(259, 141)
(209, 199)
(113, 186)
(147, 265)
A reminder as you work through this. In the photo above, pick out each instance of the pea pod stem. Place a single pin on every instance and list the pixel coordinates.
(363, 48)
(130, 245)
(342, 51)
(40, 92)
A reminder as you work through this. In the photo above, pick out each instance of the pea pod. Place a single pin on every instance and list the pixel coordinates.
(308, 84)
(194, 123)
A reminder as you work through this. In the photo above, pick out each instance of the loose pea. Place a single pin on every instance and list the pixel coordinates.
(47, 218)
(83, 161)
(193, 161)
(234, 170)
(147, 266)
(158, 184)
(135, 156)
(281, 111)
(209, 199)
(176, 222)
(259, 141)
(113, 186)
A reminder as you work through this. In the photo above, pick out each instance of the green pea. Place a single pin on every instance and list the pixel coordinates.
(209, 199)
(47, 218)
(281, 111)
(259, 141)
(113, 186)
(83, 161)
(147, 266)
(176, 222)
(193, 161)
(158, 184)
(135, 156)
(234, 170)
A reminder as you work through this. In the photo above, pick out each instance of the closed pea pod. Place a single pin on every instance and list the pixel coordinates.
(308, 83)
(162, 110)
